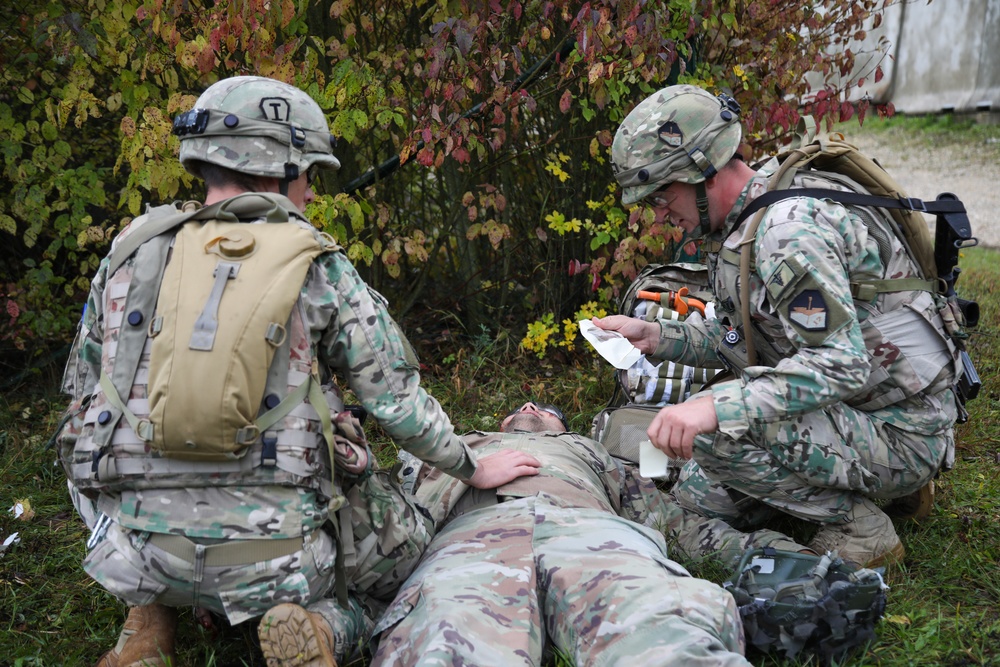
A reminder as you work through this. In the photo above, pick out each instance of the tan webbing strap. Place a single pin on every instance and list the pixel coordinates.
(748, 239)
(137, 237)
(318, 400)
(142, 428)
(287, 404)
(730, 256)
(805, 132)
(866, 290)
(270, 206)
(790, 165)
(314, 390)
(226, 554)
(143, 292)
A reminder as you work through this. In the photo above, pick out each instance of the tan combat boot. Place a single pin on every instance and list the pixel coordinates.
(147, 640)
(917, 505)
(290, 636)
(867, 537)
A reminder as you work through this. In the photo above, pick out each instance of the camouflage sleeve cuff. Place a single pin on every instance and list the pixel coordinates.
(673, 340)
(693, 341)
(730, 409)
(468, 466)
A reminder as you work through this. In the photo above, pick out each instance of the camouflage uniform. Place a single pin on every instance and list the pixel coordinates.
(241, 536)
(564, 559)
(352, 331)
(851, 395)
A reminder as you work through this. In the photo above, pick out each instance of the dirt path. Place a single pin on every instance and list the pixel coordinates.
(969, 169)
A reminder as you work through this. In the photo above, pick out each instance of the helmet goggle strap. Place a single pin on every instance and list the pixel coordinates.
(291, 174)
(296, 142)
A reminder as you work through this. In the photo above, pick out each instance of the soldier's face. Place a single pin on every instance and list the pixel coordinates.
(532, 417)
(300, 192)
(675, 204)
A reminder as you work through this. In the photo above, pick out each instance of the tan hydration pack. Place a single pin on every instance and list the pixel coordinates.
(209, 376)
(220, 313)
(220, 317)
(877, 199)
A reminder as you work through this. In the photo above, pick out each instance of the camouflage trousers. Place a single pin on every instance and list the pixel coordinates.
(130, 566)
(386, 538)
(689, 534)
(500, 583)
(811, 467)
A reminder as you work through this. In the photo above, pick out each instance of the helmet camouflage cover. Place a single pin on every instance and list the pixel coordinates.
(803, 605)
(680, 133)
(255, 125)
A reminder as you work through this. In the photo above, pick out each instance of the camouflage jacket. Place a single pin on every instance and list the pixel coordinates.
(818, 344)
(351, 333)
(578, 472)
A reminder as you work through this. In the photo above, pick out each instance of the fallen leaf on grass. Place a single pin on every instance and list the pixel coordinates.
(22, 510)
(897, 619)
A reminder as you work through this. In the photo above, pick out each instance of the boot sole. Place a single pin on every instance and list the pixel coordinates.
(289, 638)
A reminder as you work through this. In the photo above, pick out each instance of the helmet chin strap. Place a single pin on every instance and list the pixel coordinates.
(701, 201)
(291, 174)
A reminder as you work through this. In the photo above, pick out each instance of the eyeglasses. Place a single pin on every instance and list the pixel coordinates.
(311, 174)
(543, 407)
(658, 199)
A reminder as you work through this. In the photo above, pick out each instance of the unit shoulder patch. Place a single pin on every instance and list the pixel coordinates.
(808, 310)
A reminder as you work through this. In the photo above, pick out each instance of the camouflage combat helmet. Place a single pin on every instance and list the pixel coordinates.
(257, 126)
(680, 133)
(804, 606)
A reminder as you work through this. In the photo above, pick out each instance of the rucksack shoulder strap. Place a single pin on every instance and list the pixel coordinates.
(160, 220)
(936, 207)
(271, 207)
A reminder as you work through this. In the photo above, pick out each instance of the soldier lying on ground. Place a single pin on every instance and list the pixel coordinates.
(573, 559)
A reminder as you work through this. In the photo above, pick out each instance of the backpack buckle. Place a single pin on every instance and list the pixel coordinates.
(269, 450)
(913, 204)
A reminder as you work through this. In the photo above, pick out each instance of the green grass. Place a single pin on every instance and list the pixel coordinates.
(944, 606)
(981, 141)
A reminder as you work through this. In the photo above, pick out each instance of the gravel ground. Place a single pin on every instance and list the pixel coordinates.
(967, 167)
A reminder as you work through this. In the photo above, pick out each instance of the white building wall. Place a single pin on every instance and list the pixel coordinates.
(945, 56)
